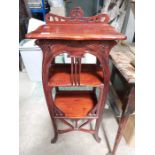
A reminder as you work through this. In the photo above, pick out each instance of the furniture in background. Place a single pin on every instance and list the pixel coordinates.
(24, 16)
(76, 35)
(38, 6)
(122, 57)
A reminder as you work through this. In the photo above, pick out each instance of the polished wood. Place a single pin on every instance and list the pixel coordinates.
(75, 104)
(76, 27)
(90, 75)
(94, 31)
(76, 35)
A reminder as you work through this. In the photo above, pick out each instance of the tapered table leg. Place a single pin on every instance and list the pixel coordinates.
(128, 109)
(119, 135)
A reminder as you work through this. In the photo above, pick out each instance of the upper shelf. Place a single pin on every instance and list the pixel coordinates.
(76, 27)
(90, 75)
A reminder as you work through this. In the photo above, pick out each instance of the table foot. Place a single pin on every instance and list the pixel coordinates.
(97, 138)
(54, 139)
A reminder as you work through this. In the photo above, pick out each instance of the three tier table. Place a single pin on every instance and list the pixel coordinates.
(76, 35)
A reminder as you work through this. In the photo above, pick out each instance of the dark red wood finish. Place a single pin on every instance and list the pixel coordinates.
(76, 27)
(76, 35)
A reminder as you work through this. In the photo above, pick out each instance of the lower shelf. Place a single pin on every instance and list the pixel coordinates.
(75, 104)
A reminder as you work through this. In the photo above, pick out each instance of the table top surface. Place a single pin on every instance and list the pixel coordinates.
(76, 31)
(122, 56)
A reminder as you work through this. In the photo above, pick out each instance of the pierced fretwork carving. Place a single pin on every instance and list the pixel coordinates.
(76, 16)
(75, 70)
(76, 127)
(76, 13)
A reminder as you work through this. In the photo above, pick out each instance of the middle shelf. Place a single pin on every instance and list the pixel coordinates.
(90, 75)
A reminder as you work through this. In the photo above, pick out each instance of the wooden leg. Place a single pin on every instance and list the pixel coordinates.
(113, 73)
(55, 131)
(96, 136)
(54, 139)
(20, 63)
(128, 109)
(119, 135)
(102, 101)
(50, 103)
(49, 94)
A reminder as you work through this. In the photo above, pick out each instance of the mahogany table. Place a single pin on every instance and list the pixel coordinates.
(76, 35)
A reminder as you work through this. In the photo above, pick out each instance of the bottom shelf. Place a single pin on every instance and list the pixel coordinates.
(75, 104)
